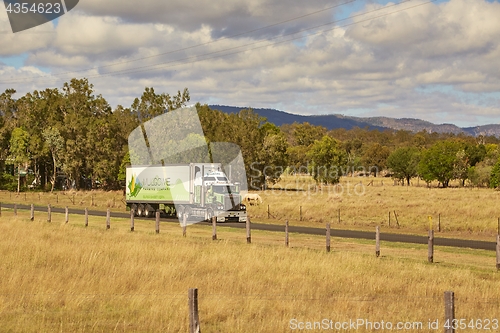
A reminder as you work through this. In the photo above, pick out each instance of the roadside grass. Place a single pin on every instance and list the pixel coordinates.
(68, 278)
(364, 202)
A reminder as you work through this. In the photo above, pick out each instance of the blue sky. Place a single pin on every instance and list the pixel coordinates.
(434, 61)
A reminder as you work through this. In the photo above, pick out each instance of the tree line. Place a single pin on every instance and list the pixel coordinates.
(72, 138)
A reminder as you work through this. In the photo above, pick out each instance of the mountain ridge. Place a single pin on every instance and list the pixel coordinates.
(335, 121)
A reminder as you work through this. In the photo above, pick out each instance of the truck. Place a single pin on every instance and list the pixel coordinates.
(197, 191)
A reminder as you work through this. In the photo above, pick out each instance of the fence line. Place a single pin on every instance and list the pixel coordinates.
(430, 256)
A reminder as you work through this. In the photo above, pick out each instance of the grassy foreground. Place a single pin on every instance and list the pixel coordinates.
(60, 277)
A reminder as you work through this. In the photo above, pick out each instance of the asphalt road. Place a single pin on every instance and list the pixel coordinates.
(388, 237)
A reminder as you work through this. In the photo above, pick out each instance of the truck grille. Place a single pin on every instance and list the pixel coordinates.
(228, 204)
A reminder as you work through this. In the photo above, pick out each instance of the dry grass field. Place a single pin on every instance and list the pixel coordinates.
(364, 202)
(60, 277)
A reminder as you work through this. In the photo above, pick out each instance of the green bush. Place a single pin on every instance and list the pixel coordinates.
(8, 182)
(495, 175)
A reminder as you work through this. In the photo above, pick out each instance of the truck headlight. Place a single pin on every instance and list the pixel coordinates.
(243, 207)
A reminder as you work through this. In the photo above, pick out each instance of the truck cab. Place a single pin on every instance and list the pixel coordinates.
(221, 197)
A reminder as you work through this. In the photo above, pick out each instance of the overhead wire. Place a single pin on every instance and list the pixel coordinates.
(216, 54)
(197, 45)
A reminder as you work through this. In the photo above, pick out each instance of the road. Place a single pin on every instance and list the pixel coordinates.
(388, 237)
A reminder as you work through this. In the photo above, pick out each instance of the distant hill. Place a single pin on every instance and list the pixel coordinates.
(280, 117)
(335, 121)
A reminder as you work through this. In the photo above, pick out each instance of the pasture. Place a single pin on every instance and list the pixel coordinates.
(59, 277)
(364, 202)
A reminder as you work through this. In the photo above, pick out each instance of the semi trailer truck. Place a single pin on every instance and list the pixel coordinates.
(197, 191)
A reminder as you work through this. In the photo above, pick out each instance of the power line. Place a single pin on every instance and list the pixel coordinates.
(195, 59)
(197, 45)
(162, 65)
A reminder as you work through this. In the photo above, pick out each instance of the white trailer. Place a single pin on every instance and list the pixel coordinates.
(180, 189)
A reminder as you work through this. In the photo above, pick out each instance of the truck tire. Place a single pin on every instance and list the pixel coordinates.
(134, 208)
(180, 212)
(140, 210)
(148, 211)
(188, 211)
(210, 214)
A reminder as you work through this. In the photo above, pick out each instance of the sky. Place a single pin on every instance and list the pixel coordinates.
(438, 61)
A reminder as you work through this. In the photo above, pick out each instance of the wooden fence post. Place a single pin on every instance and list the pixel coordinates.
(184, 221)
(132, 214)
(57, 198)
(15, 209)
(339, 215)
(86, 217)
(377, 241)
(0, 209)
(49, 214)
(498, 252)
(92, 200)
(214, 227)
(396, 217)
(286, 233)
(439, 222)
(300, 213)
(108, 219)
(430, 253)
(389, 218)
(157, 221)
(328, 237)
(249, 236)
(449, 312)
(268, 212)
(194, 319)
(32, 218)
(66, 214)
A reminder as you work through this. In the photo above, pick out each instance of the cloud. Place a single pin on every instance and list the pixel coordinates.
(26, 41)
(374, 67)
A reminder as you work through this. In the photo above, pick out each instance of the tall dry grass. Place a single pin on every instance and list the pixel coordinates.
(60, 277)
(464, 212)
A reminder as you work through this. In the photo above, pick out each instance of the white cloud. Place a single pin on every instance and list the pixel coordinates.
(378, 65)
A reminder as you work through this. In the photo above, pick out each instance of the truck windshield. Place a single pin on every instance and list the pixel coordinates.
(224, 189)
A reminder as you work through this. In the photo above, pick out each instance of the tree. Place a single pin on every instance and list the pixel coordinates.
(404, 163)
(152, 104)
(55, 144)
(479, 175)
(8, 109)
(305, 134)
(328, 159)
(375, 158)
(19, 154)
(495, 175)
(274, 155)
(438, 162)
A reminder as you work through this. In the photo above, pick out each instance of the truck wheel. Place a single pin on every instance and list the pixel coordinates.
(148, 211)
(210, 214)
(180, 212)
(188, 211)
(134, 208)
(140, 210)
